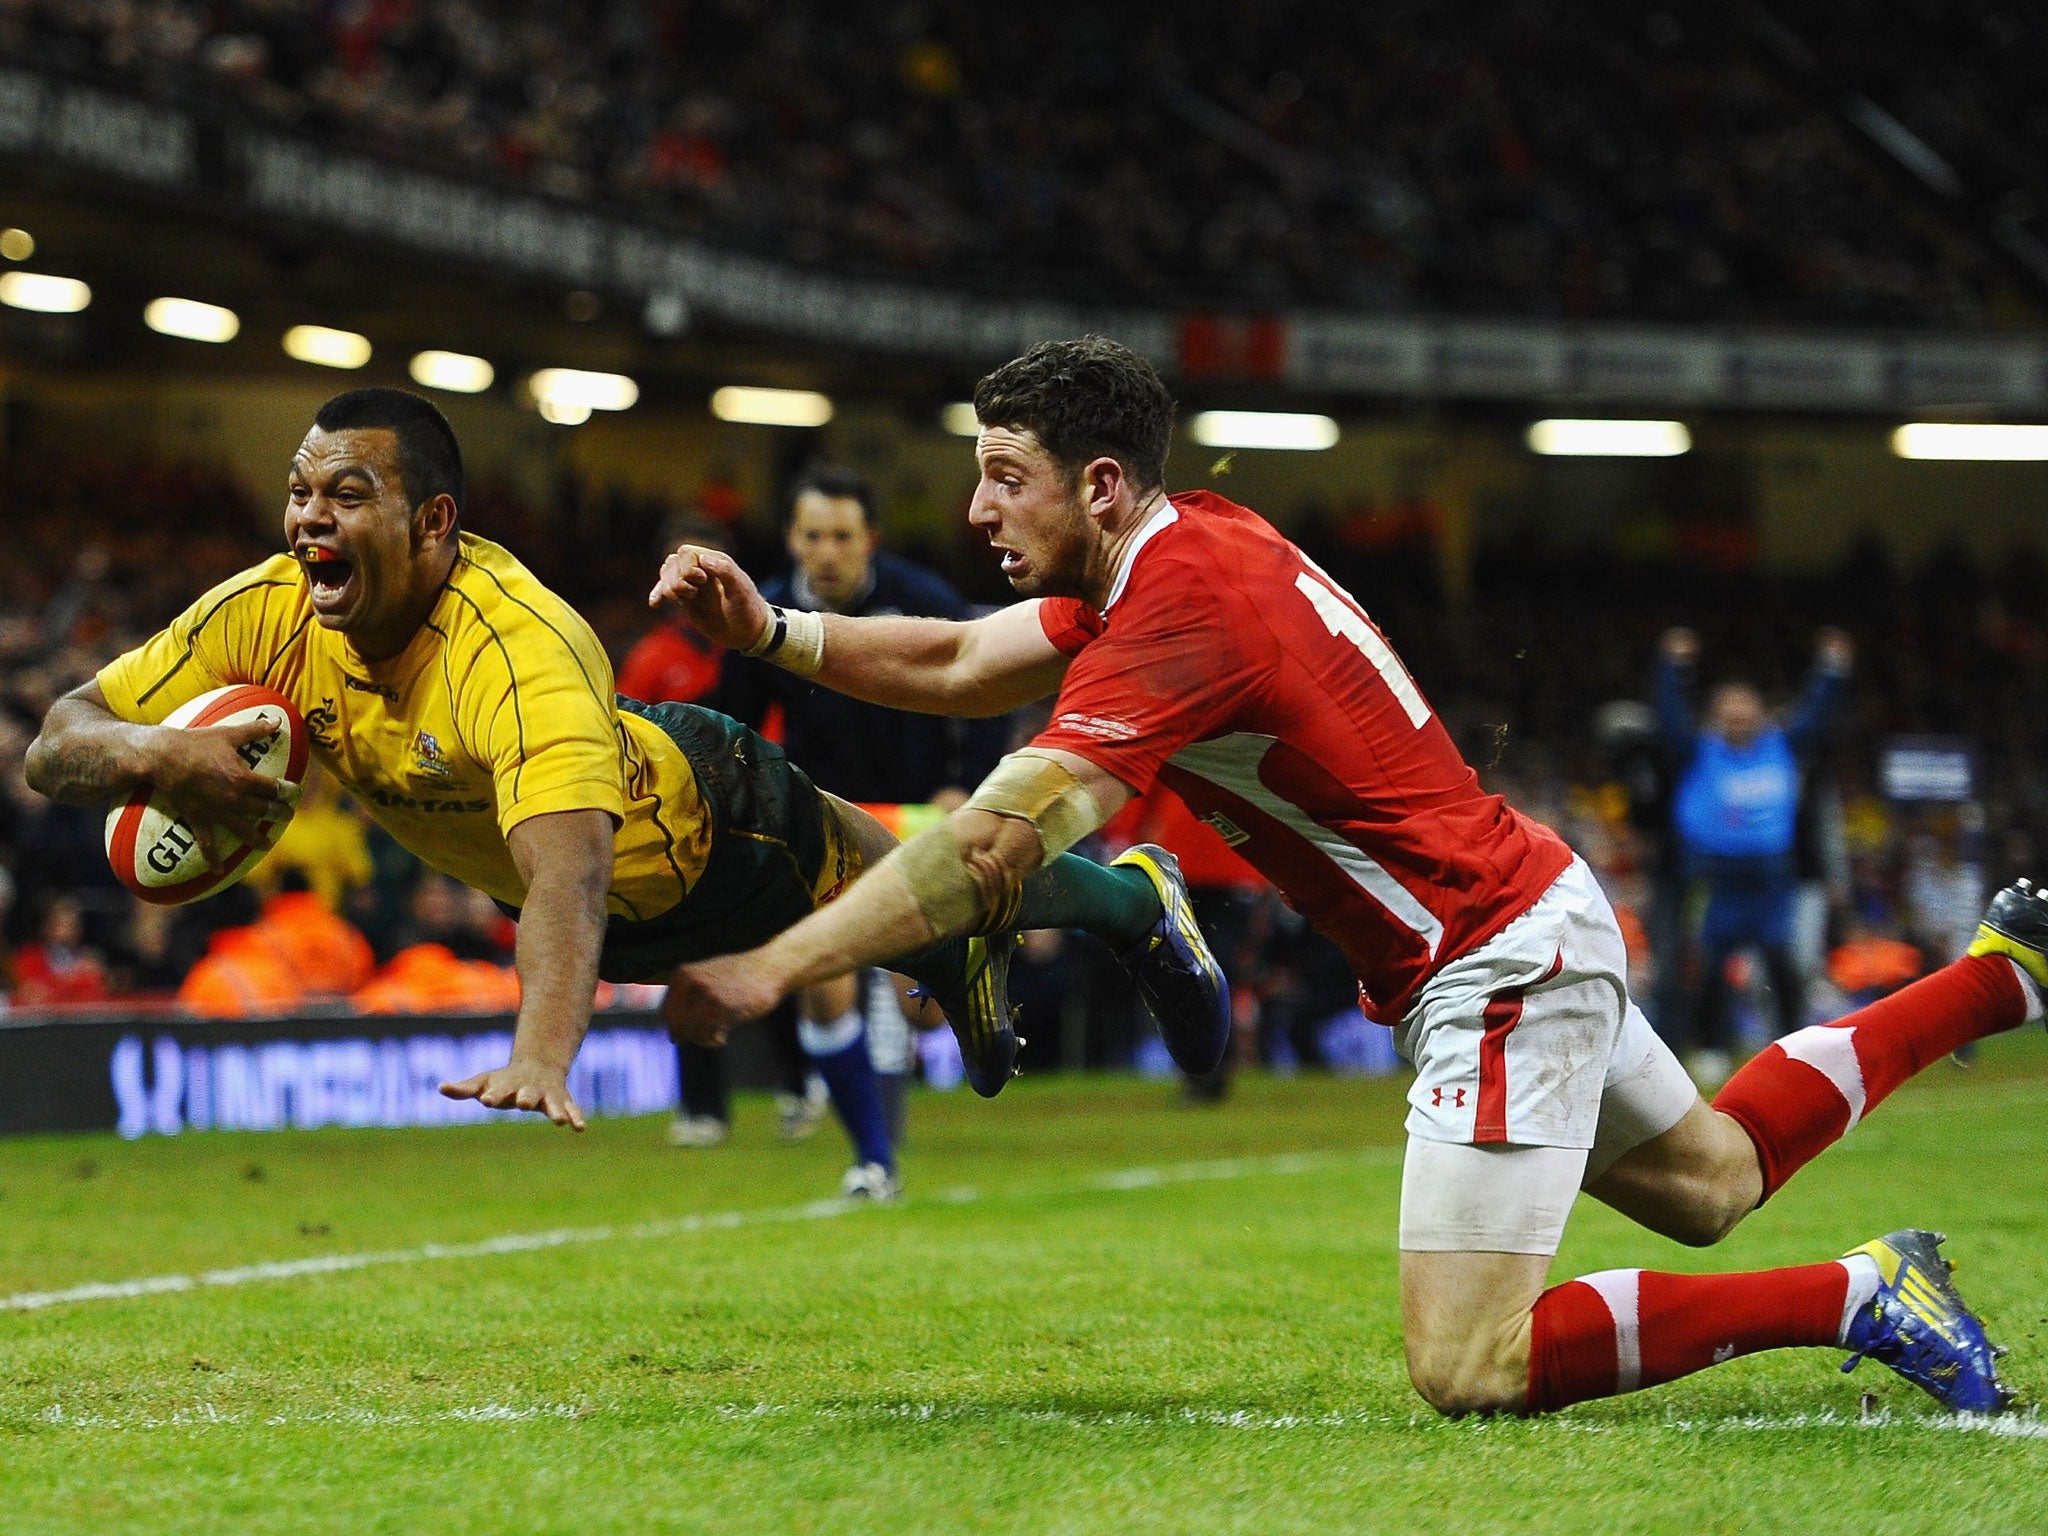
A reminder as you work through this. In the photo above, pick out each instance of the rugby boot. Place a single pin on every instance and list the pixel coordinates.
(977, 1004)
(1917, 1324)
(1176, 974)
(2016, 925)
(869, 1181)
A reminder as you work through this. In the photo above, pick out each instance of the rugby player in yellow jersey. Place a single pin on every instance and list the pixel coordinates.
(471, 712)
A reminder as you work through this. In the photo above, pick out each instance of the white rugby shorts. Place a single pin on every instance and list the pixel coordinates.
(1533, 1074)
(1531, 1040)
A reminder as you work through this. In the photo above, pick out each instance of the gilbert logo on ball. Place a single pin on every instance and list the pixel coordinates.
(153, 848)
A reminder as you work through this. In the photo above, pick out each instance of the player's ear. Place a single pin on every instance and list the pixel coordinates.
(1101, 479)
(434, 520)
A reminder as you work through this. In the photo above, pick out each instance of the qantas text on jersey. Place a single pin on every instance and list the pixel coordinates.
(1232, 669)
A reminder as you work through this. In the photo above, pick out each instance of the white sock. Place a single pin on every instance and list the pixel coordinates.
(1863, 1283)
(2029, 986)
(830, 1039)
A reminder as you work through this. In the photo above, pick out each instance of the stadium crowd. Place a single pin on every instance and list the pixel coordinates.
(1961, 75)
(1544, 157)
(1546, 689)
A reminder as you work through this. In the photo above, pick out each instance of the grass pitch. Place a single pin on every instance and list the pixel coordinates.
(1097, 1311)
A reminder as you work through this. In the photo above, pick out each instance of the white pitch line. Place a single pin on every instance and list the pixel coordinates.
(2016, 1426)
(678, 1226)
(2023, 1426)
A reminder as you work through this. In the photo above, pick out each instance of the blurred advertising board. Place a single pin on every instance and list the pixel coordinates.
(1922, 770)
(168, 1072)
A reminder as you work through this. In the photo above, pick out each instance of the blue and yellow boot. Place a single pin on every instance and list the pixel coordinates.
(1917, 1324)
(1176, 974)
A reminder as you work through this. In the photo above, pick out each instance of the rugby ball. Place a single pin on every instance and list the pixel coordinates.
(152, 847)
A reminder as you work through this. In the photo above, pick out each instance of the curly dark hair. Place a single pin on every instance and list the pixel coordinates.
(1092, 398)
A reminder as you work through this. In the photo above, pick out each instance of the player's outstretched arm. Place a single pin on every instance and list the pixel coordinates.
(565, 857)
(86, 754)
(985, 666)
(945, 881)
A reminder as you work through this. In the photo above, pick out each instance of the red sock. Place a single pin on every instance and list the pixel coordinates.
(1628, 1328)
(1802, 1094)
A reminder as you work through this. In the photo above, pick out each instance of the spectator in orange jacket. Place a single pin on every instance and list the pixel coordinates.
(329, 957)
(297, 949)
(241, 975)
(430, 978)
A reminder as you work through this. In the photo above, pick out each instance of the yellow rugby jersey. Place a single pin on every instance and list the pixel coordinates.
(499, 710)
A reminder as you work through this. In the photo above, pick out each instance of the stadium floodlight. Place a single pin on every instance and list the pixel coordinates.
(1981, 440)
(771, 407)
(17, 244)
(562, 392)
(43, 293)
(960, 420)
(456, 372)
(563, 413)
(1295, 431)
(1605, 438)
(328, 348)
(191, 320)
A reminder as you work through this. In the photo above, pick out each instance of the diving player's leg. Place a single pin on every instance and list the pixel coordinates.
(1665, 1159)
(1138, 906)
(1509, 1044)
(1119, 904)
(1479, 1226)
(1801, 1094)
(1660, 1156)
(1529, 1083)
(967, 976)
(1481, 1222)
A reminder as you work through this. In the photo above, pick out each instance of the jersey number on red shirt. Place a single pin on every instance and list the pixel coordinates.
(1342, 616)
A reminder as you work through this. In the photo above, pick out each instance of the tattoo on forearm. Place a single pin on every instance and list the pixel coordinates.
(80, 775)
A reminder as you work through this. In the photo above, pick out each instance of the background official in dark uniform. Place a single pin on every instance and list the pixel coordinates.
(861, 752)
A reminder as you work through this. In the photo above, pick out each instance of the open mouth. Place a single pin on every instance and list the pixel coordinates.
(328, 575)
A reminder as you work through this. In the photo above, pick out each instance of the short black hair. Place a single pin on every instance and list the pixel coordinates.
(1087, 399)
(429, 458)
(835, 482)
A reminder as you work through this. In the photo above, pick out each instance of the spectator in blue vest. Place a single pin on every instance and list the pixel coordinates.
(1735, 812)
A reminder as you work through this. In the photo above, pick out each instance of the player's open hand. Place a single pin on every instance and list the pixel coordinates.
(705, 1000)
(203, 774)
(715, 595)
(521, 1085)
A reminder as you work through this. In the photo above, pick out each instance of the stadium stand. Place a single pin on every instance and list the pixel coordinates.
(1542, 158)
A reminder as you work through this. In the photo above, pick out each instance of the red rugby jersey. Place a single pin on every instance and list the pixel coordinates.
(1230, 668)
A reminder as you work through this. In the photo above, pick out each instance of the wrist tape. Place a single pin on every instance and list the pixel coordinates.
(794, 640)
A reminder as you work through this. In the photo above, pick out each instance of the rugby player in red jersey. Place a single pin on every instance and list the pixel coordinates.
(1191, 644)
